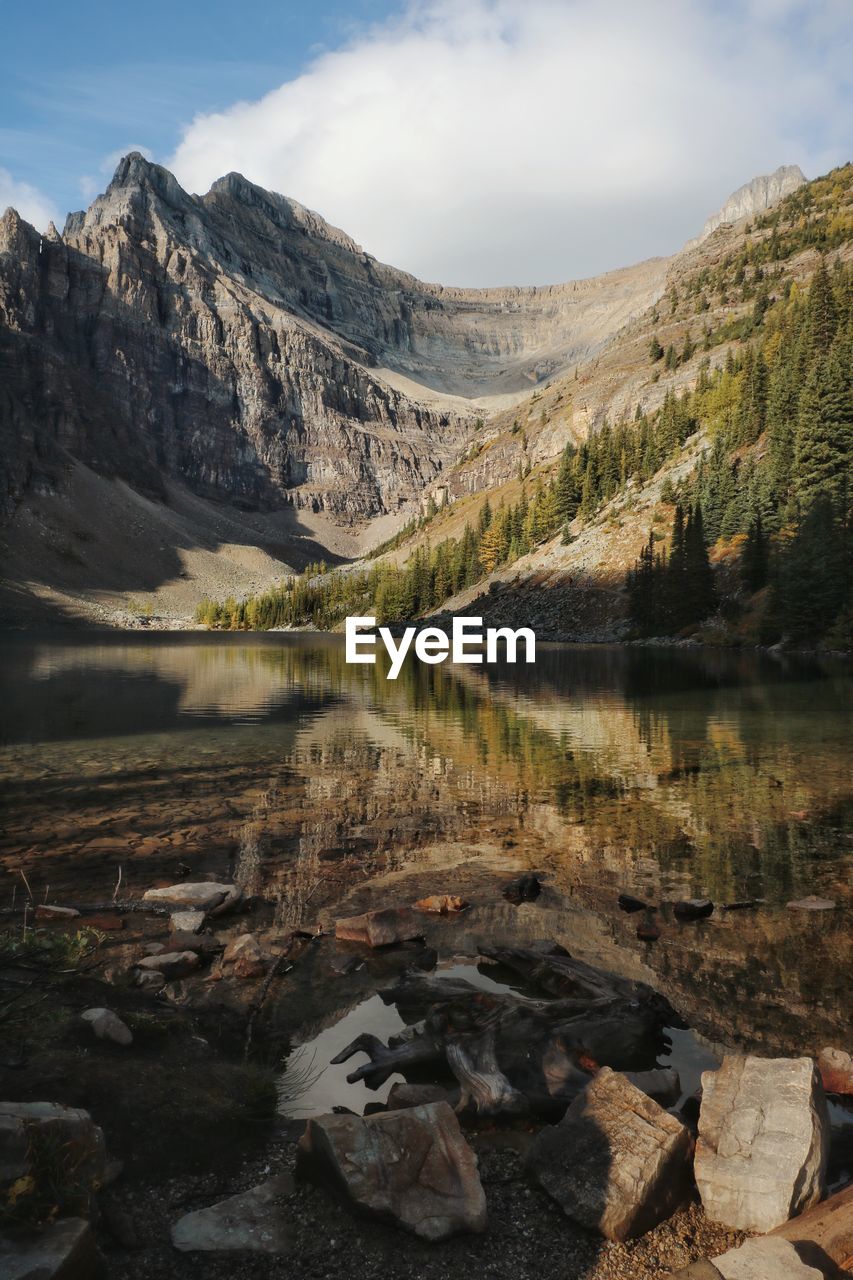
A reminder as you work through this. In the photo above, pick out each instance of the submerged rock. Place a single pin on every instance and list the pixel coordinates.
(107, 1026)
(205, 895)
(763, 1141)
(627, 902)
(63, 1250)
(616, 1163)
(693, 909)
(47, 911)
(442, 903)
(252, 1222)
(812, 904)
(380, 928)
(149, 980)
(412, 1167)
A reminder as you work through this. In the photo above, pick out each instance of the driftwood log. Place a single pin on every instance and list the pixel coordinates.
(512, 1053)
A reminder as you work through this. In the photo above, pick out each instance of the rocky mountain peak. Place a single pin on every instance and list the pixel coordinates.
(755, 197)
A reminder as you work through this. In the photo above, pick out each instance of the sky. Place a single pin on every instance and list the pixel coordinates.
(471, 142)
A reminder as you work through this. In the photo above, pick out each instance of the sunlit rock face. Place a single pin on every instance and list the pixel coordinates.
(236, 342)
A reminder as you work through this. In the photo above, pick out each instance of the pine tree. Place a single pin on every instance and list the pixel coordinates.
(822, 454)
(822, 318)
(700, 594)
(755, 558)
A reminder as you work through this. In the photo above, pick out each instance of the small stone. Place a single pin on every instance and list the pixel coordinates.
(47, 911)
(107, 1026)
(616, 1163)
(413, 1167)
(836, 1071)
(812, 904)
(380, 928)
(171, 964)
(763, 1141)
(253, 1222)
(187, 921)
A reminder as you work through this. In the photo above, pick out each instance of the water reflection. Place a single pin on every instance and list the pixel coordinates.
(670, 773)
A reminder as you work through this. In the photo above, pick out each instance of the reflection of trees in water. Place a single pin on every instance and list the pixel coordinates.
(694, 758)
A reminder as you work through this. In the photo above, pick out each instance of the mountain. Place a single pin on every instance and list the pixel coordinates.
(756, 197)
(202, 393)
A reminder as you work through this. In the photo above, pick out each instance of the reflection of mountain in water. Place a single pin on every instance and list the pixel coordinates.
(666, 772)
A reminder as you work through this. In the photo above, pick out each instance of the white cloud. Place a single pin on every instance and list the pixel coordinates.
(515, 141)
(31, 204)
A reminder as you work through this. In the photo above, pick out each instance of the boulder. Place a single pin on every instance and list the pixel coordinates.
(187, 921)
(442, 904)
(412, 1167)
(763, 1141)
(380, 928)
(252, 1222)
(772, 1258)
(29, 1128)
(171, 964)
(616, 1163)
(107, 1026)
(836, 1071)
(205, 895)
(47, 911)
(63, 1250)
(247, 957)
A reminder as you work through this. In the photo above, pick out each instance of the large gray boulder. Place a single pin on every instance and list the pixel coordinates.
(63, 1250)
(412, 1167)
(617, 1162)
(252, 1222)
(33, 1131)
(763, 1141)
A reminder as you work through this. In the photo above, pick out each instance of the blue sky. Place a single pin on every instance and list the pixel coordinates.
(469, 141)
(80, 82)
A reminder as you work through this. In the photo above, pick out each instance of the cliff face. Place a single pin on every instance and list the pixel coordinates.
(755, 197)
(239, 344)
